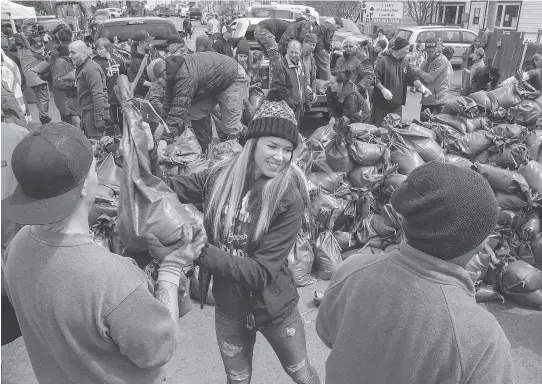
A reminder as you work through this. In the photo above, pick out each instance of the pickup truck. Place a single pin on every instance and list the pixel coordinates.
(244, 27)
(194, 14)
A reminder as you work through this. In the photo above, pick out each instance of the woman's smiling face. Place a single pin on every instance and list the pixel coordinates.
(272, 154)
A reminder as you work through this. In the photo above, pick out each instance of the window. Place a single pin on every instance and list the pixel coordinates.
(404, 34)
(449, 37)
(468, 37)
(507, 15)
(426, 35)
(450, 14)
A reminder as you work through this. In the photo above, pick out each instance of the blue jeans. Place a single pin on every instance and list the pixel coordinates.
(286, 336)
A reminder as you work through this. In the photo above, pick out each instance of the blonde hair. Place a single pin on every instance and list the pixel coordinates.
(229, 189)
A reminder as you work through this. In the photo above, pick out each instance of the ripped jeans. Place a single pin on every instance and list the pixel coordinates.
(287, 338)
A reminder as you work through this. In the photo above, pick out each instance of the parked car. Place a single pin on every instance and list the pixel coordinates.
(126, 27)
(115, 12)
(50, 24)
(458, 38)
(194, 14)
(101, 15)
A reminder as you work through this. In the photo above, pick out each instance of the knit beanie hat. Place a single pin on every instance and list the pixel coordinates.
(274, 118)
(243, 48)
(310, 38)
(156, 69)
(400, 43)
(447, 210)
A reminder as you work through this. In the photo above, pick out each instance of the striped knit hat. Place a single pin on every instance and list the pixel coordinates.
(156, 69)
(274, 118)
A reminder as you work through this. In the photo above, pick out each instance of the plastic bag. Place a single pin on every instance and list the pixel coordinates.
(428, 149)
(365, 233)
(407, 159)
(327, 209)
(505, 97)
(362, 251)
(483, 101)
(482, 158)
(520, 277)
(327, 255)
(458, 160)
(185, 149)
(510, 155)
(364, 176)
(476, 123)
(503, 180)
(362, 129)
(526, 112)
(453, 121)
(300, 261)
(323, 134)
(337, 155)
(531, 228)
(328, 181)
(531, 299)
(532, 171)
(534, 142)
(510, 218)
(346, 240)
(365, 153)
(477, 266)
(422, 130)
(110, 174)
(462, 106)
(196, 166)
(509, 131)
(536, 246)
(224, 150)
(146, 204)
(392, 182)
(473, 143)
(195, 291)
(510, 201)
(485, 293)
(381, 227)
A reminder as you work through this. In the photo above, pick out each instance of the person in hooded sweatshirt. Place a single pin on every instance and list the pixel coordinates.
(393, 74)
(65, 91)
(434, 75)
(410, 316)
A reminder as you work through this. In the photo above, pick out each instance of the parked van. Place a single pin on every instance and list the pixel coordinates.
(280, 11)
(459, 39)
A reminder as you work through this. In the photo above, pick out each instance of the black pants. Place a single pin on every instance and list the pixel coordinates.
(379, 112)
(434, 109)
(117, 120)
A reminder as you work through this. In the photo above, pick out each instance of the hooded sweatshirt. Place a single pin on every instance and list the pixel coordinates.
(395, 75)
(112, 67)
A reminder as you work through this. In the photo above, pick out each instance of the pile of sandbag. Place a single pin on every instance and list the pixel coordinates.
(353, 169)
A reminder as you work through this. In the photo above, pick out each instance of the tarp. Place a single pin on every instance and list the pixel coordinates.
(17, 11)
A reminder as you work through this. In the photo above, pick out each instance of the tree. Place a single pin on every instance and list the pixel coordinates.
(342, 9)
(422, 12)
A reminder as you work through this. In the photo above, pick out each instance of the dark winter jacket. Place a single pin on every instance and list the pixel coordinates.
(325, 32)
(248, 277)
(277, 27)
(140, 90)
(92, 90)
(295, 31)
(349, 103)
(360, 67)
(287, 76)
(112, 68)
(224, 47)
(202, 75)
(482, 82)
(63, 89)
(395, 75)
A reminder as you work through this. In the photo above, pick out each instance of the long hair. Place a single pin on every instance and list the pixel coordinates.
(248, 69)
(229, 189)
(204, 44)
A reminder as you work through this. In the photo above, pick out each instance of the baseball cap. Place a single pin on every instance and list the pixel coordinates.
(142, 36)
(50, 165)
(431, 43)
(174, 39)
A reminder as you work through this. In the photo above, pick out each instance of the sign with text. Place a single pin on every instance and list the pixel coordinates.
(383, 12)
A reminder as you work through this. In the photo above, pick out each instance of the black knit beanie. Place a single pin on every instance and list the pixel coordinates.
(447, 210)
(274, 118)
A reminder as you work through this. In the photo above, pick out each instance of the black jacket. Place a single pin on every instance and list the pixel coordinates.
(202, 75)
(276, 26)
(394, 74)
(482, 82)
(140, 90)
(224, 47)
(112, 69)
(247, 276)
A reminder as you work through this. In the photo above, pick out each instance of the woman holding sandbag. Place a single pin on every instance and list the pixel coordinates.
(344, 99)
(253, 207)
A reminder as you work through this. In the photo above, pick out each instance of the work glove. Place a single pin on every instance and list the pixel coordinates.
(387, 94)
(177, 259)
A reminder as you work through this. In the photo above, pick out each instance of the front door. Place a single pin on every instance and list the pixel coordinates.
(477, 16)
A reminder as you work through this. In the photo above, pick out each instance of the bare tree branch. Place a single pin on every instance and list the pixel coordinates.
(342, 9)
(422, 12)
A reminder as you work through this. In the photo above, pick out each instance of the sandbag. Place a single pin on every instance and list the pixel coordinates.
(422, 130)
(485, 293)
(224, 150)
(303, 157)
(461, 106)
(502, 180)
(510, 201)
(407, 159)
(364, 176)
(509, 131)
(534, 142)
(526, 112)
(362, 251)
(476, 123)
(510, 218)
(473, 143)
(477, 266)
(362, 129)
(520, 277)
(453, 121)
(482, 157)
(531, 228)
(109, 173)
(327, 209)
(323, 134)
(319, 163)
(428, 149)
(346, 240)
(458, 160)
(510, 155)
(337, 155)
(194, 288)
(536, 246)
(364, 153)
(392, 182)
(483, 101)
(327, 255)
(365, 234)
(328, 181)
(381, 227)
(185, 149)
(532, 171)
(300, 261)
(146, 204)
(505, 97)
(530, 299)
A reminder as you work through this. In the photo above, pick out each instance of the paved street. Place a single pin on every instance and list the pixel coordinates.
(197, 359)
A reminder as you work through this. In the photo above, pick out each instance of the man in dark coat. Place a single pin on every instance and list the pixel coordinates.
(202, 81)
(486, 79)
(325, 32)
(223, 44)
(139, 50)
(295, 31)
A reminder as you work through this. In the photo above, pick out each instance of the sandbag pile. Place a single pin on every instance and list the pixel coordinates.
(353, 169)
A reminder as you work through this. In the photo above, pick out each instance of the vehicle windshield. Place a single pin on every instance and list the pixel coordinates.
(267, 13)
(123, 32)
(49, 25)
(101, 13)
(350, 26)
(404, 34)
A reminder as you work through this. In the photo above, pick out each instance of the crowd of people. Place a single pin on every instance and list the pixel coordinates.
(87, 315)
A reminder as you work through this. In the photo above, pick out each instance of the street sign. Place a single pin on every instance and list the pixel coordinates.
(383, 12)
